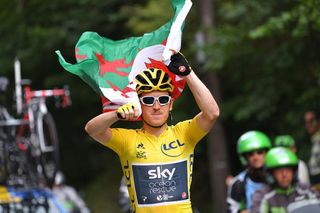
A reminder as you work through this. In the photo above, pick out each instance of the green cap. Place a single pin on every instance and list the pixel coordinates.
(251, 141)
(284, 140)
(280, 157)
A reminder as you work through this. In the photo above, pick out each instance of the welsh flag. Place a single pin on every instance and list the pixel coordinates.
(109, 66)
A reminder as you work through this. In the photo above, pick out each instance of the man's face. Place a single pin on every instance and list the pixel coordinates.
(311, 124)
(256, 158)
(157, 114)
(283, 176)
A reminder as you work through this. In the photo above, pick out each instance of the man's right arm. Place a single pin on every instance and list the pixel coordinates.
(99, 127)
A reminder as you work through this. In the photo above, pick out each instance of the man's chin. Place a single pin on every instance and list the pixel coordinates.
(157, 120)
(157, 124)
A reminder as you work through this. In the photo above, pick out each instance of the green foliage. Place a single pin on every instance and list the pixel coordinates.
(146, 18)
(298, 21)
(266, 54)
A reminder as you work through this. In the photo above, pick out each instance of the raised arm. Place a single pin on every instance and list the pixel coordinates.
(99, 127)
(205, 101)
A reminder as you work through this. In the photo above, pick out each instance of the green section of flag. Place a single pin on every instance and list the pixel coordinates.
(101, 60)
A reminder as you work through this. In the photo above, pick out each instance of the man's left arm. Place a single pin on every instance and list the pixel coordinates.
(205, 101)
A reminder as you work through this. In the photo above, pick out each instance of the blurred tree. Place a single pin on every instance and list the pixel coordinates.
(217, 151)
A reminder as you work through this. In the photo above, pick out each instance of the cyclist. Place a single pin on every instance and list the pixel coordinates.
(157, 159)
(288, 141)
(252, 147)
(285, 193)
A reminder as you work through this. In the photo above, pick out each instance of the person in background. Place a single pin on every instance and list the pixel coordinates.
(229, 180)
(124, 200)
(312, 125)
(252, 147)
(289, 142)
(284, 192)
(67, 196)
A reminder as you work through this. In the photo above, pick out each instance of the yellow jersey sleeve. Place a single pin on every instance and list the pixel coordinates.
(192, 130)
(118, 139)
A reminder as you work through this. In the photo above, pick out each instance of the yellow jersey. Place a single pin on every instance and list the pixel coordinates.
(158, 170)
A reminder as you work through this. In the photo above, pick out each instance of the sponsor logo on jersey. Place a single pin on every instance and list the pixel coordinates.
(155, 184)
(140, 146)
(173, 148)
(140, 153)
(158, 173)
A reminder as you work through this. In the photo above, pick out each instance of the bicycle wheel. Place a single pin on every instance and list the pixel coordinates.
(49, 146)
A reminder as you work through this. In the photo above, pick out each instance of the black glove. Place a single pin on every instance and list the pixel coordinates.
(179, 65)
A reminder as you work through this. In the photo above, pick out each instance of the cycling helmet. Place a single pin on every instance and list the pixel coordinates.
(251, 141)
(281, 157)
(284, 140)
(153, 79)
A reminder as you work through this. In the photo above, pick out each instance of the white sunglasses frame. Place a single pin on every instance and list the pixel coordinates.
(156, 98)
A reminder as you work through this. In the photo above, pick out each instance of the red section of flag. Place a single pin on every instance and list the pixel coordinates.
(164, 42)
(78, 56)
(112, 66)
(123, 92)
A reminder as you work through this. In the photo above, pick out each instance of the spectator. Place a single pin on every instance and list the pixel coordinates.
(124, 200)
(288, 141)
(284, 193)
(312, 125)
(252, 147)
(67, 196)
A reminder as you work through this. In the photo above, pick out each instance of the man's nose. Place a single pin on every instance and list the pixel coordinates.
(156, 105)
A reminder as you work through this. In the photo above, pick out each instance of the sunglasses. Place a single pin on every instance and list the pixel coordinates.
(259, 152)
(150, 100)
